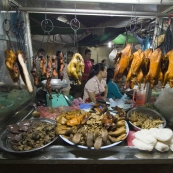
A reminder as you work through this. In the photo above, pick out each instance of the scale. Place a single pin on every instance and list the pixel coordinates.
(58, 99)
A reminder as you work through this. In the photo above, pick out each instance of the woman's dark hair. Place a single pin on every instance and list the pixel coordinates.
(58, 52)
(92, 60)
(103, 61)
(110, 74)
(87, 50)
(41, 50)
(96, 69)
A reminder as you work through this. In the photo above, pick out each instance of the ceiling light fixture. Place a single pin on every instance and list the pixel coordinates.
(110, 44)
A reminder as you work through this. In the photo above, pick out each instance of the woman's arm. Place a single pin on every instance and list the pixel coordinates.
(106, 91)
(115, 91)
(92, 96)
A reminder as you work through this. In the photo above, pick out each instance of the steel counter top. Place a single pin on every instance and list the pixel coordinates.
(60, 152)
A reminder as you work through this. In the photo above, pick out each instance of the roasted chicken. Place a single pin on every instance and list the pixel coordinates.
(24, 71)
(43, 65)
(11, 64)
(168, 77)
(34, 72)
(123, 63)
(54, 71)
(154, 74)
(61, 66)
(49, 77)
(76, 68)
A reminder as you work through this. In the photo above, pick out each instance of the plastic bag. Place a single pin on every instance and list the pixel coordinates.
(120, 103)
(112, 55)
(164, 103)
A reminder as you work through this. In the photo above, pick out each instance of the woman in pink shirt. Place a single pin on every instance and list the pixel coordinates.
(96, 85)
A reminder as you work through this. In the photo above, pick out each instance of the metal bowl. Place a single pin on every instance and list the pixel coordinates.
(6, 145)
(57, 83)
(147, 111)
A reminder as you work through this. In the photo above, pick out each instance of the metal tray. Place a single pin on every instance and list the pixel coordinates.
(5, 143)
(57, 83)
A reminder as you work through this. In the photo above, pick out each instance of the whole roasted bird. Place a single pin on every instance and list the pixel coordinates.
(34, 72)
(11, 64)
(135, 68)
(123, 63)
(61, 66)
(154, 74)
(54, 71)
(168, 77)
(146, 62)
(24, 71)
(75, 68)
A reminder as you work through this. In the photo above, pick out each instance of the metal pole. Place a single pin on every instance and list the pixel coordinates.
(92, 12)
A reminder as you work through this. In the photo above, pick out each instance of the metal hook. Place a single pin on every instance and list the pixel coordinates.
(7, 31)
(46, 22)
(75, 25)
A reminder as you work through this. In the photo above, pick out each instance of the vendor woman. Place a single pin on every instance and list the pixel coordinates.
(113, 91)
(96, 87)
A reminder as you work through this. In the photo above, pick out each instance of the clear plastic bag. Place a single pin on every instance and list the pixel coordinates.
(164, 103)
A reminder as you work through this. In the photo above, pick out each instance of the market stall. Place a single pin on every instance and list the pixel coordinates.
(48, 126)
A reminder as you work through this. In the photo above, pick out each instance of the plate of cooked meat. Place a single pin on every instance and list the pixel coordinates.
(92, 130)
(28, 135)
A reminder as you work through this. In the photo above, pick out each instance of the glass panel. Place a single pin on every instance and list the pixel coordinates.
(13, 95)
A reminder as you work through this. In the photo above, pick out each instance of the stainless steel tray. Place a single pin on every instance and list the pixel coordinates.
(5, 143)
(57, 83)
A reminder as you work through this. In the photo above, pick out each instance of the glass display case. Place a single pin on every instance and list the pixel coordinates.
(14, 96)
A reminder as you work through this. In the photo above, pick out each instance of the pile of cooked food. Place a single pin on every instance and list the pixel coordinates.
(144, 121)
(96, 128)
(29, 135)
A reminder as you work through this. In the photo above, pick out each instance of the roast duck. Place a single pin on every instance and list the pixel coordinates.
(135, 74)
(16, 65)
(168, 76)
(75, 68)
(123, 63)
(155, 74)
(145, 67)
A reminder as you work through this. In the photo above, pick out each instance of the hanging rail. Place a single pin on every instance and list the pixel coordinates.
(93, 12)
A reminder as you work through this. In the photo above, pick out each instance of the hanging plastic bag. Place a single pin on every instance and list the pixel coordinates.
(164, 103)
(112, 55)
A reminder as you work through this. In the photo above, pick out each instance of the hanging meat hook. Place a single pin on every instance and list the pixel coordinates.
(75, 26)
(46, 23)
(18, 29)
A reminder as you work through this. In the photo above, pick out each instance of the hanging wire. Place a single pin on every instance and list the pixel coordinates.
(7, 27)
(75, 25)
(19, 30)
(45, 23)
(132, 24)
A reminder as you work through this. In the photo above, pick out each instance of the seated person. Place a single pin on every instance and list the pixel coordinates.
(113, 91)
(96, 87)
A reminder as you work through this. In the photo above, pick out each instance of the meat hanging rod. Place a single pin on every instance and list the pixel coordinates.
(139, 2)
(93, 12)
